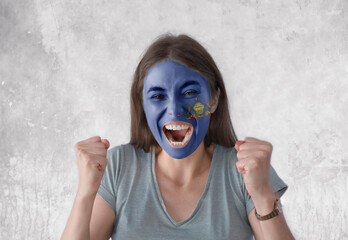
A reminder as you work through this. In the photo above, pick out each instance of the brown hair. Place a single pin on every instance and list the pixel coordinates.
(187, 51)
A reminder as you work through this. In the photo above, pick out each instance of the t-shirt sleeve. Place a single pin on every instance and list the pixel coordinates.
(277, 184)
(108, 186)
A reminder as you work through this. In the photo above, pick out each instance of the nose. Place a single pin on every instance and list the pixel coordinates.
(175, 107)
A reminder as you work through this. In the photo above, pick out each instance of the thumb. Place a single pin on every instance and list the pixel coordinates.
(106, 142)
(237, 144)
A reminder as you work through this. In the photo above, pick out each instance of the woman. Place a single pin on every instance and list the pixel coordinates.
(183, 175)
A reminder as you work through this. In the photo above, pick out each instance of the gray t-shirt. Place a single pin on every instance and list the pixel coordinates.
(130, 187)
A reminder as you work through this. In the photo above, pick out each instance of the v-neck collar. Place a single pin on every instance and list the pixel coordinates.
(159, 195)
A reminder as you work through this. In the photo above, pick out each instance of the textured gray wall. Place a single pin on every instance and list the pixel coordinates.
(65, 75)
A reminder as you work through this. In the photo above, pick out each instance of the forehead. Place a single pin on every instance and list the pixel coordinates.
(169, 73)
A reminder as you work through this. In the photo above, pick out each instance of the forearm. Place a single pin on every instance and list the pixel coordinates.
(78, 225)
(276, 227)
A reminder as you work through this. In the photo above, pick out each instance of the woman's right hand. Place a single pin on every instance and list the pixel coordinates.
(92, 161)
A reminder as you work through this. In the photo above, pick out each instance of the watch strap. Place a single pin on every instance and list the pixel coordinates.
(276, 211)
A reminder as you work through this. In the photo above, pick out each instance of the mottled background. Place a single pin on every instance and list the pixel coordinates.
(65, 74)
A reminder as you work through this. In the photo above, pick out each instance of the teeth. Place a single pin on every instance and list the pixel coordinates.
(176, 127)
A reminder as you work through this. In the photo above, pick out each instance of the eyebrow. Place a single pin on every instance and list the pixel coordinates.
(155, 89)
(189, 83)
(160, 89)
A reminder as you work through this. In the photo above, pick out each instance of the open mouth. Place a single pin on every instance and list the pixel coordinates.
(178, 134)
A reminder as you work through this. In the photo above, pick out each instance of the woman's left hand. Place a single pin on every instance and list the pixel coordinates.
(254, 157)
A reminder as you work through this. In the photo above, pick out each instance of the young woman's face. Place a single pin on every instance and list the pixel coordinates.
(177, 107)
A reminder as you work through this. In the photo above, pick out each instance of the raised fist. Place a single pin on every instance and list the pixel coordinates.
(254, 157)
(92, 161)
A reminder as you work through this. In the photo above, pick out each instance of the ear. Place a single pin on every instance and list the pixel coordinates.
(214, 102)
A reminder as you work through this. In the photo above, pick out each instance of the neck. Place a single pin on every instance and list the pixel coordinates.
(182, 171)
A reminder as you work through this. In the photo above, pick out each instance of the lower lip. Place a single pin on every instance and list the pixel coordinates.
(179, 144)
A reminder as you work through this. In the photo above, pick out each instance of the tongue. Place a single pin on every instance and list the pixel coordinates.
(178, 135)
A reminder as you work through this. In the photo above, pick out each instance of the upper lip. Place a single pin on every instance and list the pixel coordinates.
(175, 124)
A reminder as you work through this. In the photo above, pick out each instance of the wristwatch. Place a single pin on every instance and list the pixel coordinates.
(276, 211)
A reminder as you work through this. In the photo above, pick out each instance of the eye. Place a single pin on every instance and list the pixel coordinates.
(190, 92)
(158, 96)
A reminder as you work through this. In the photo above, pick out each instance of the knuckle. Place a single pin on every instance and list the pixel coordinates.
(241, 147)
(98, 138)
(77, 145)
(268, 146)
(79, 152)
(253, 164)
(82, 151)
(262, 154)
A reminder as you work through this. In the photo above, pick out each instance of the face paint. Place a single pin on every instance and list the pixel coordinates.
(177, 107)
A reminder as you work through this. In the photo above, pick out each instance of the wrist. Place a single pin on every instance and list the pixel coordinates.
(264, 203)
(85, 196)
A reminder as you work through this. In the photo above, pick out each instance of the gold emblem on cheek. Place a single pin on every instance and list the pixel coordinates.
(199, 108)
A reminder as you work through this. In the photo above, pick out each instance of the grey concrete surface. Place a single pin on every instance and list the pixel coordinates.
(65, 74)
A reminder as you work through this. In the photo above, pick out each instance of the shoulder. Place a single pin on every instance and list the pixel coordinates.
(126, 155)
(124, 150)
(228, 157)
(226, 154)
(121, 148)
(123, 161)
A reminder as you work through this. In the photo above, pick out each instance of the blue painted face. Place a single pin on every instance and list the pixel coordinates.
(177, 107)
